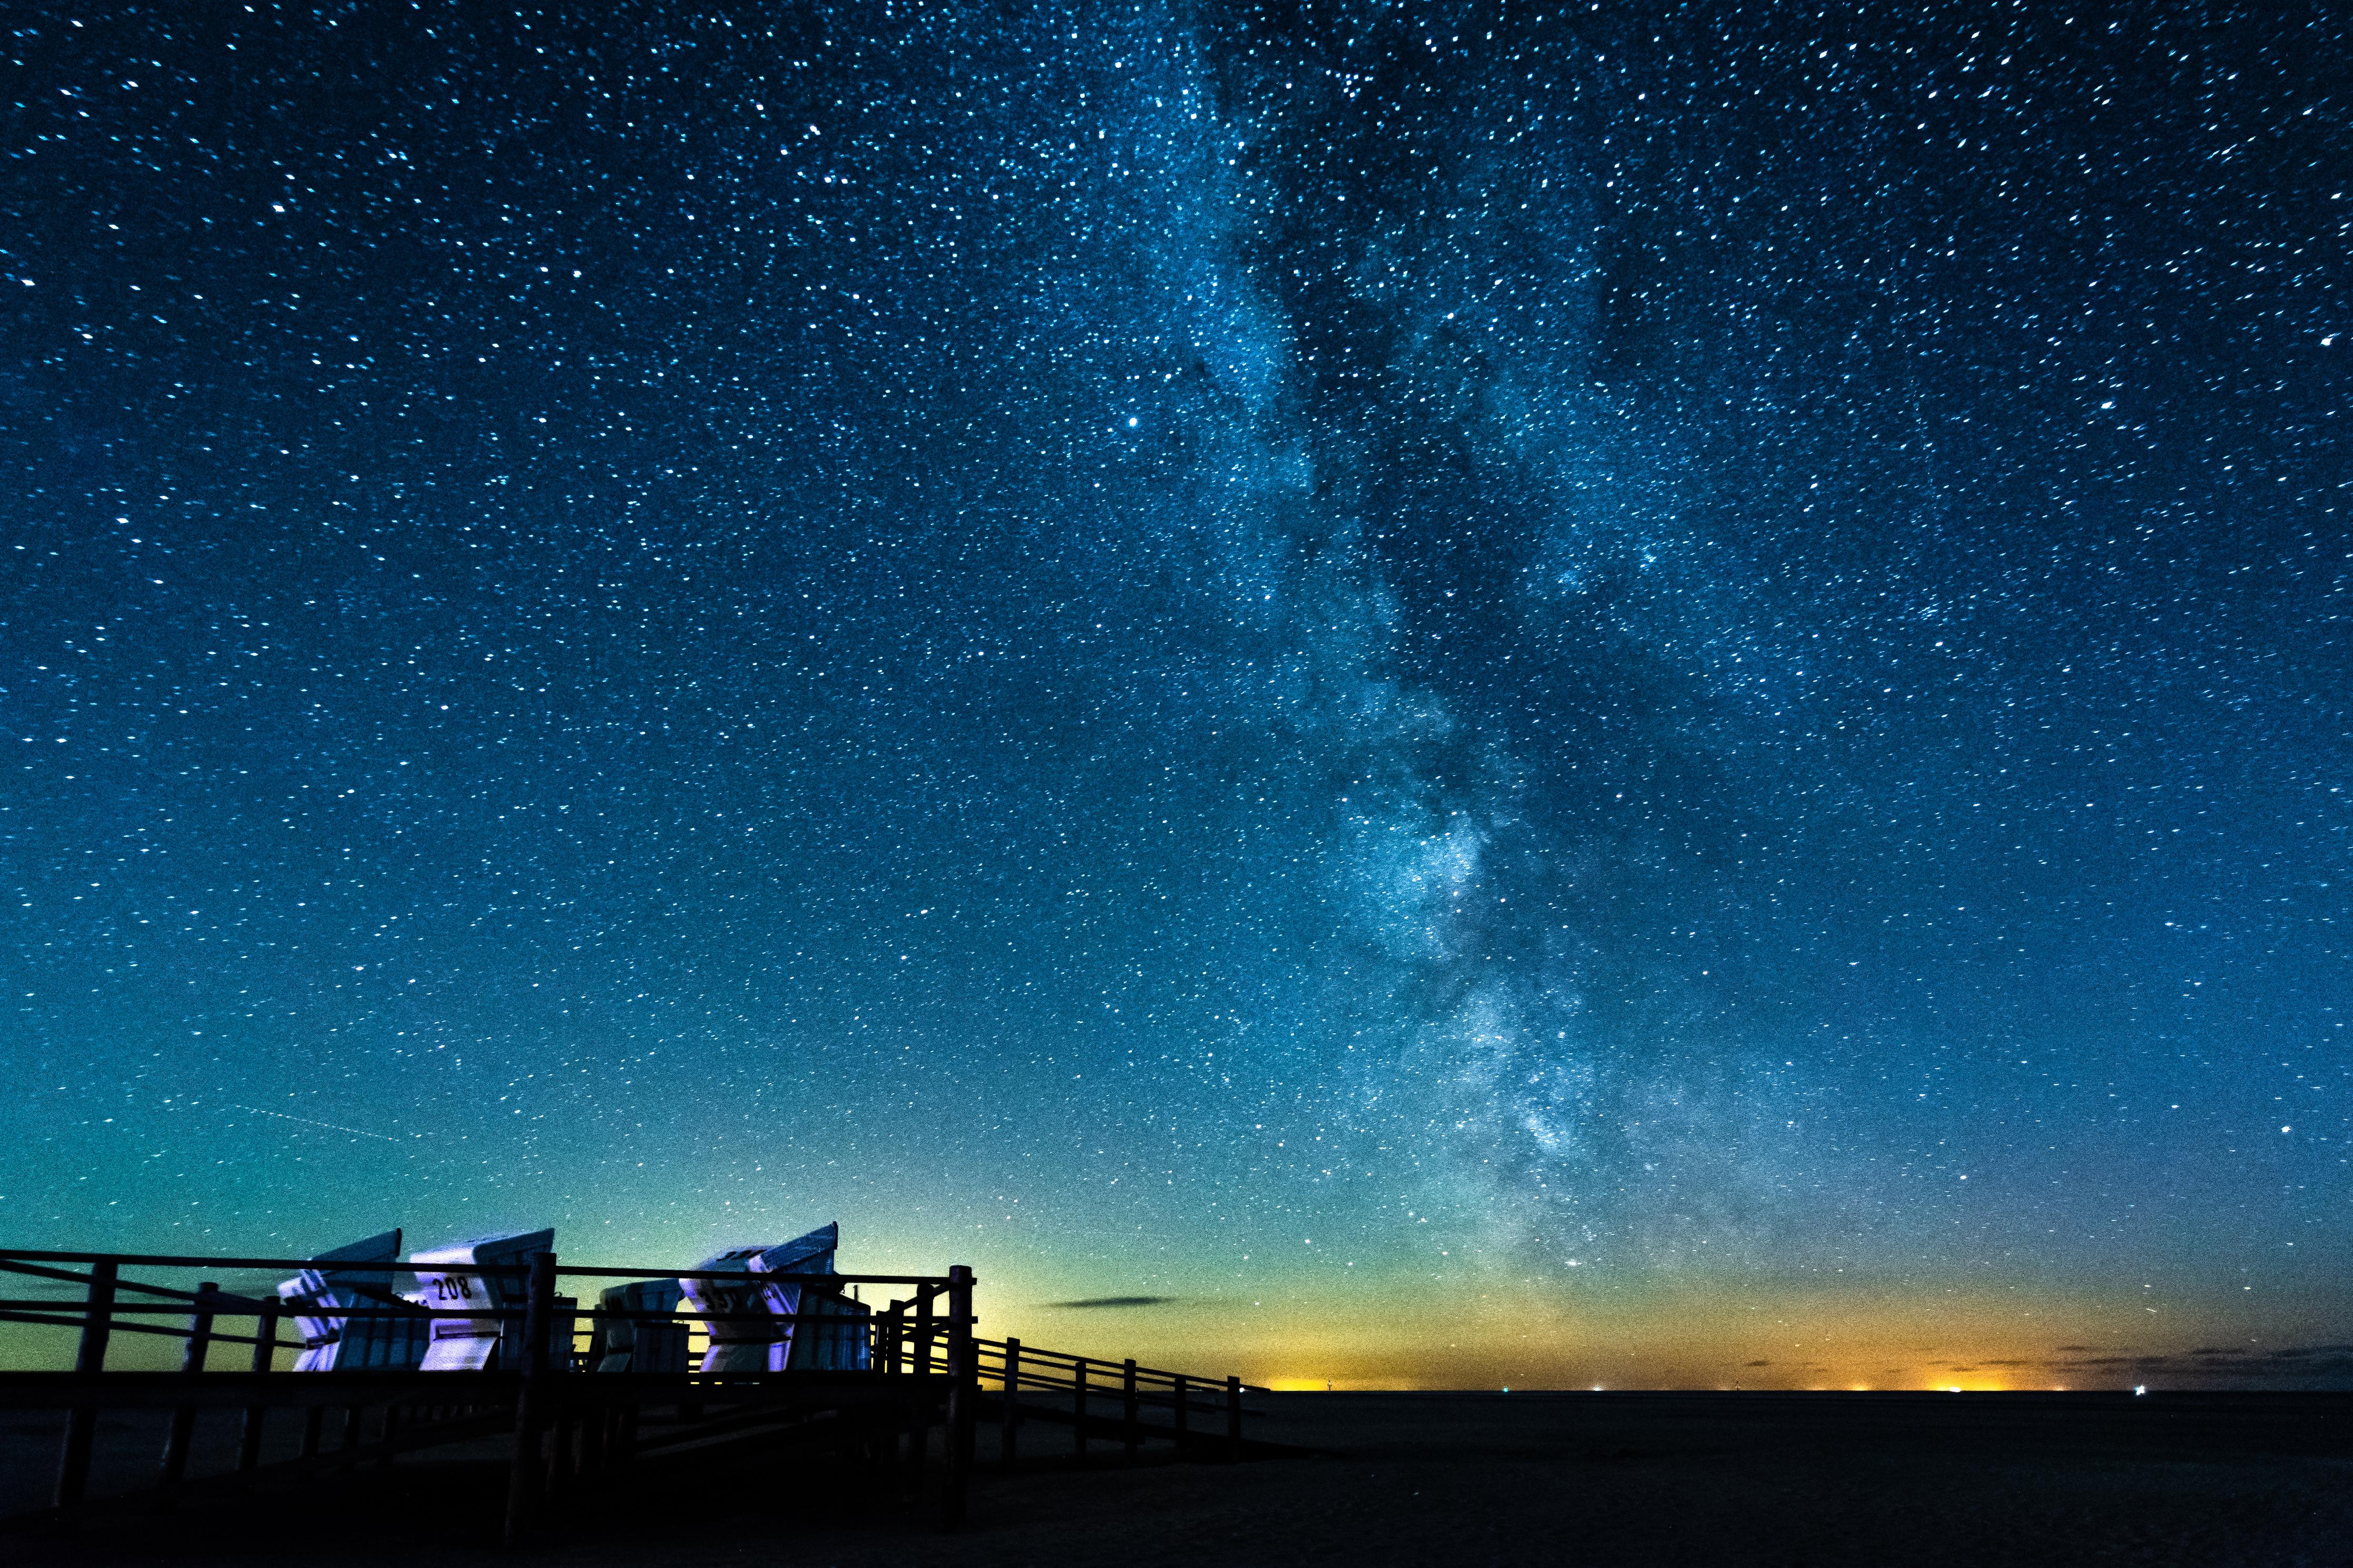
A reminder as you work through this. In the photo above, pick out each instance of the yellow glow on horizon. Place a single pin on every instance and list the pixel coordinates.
(1860, 1342)
(1486, 1332)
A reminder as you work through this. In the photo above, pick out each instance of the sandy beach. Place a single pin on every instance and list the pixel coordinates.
(1618, 1478)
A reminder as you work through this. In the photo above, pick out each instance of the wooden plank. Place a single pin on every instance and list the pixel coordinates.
(1127, 1423)
(89, 1363)
(265, 1353)
(964, 1395)
(524, 1482)
(1011, 1441)
(191, 1361)
(121, 1284)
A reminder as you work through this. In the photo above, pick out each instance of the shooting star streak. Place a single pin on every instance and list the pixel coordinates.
(330, 1126)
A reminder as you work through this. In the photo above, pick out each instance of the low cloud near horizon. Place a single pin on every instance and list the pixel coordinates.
(2300, 1362)
(1116, 1302)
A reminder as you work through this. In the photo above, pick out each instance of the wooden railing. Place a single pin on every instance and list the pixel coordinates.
(1203, 1414)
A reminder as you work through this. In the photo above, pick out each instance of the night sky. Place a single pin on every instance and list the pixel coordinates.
(1453, 695)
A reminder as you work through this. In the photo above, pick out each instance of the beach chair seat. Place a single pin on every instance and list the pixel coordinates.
(485, 1343)
(641, 1331)
(321, 1299)
(776, 1281)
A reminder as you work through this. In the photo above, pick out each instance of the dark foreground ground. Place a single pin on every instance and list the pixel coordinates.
(1458, 1480)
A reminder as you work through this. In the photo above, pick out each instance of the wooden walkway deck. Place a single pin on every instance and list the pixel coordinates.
(913, 1413)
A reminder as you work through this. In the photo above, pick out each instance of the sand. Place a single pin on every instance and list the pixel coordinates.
(1618, 1478)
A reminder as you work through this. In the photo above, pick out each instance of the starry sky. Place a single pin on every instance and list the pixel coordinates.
(1439, 695)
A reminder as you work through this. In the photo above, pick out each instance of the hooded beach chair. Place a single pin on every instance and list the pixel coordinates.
(639, 1330)
(321, 1299)
(751, 1324)
(475, 1344)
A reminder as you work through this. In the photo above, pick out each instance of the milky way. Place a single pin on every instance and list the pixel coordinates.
(1344, 655)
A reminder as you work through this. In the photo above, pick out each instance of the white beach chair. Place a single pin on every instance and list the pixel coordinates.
(471, 1344)
(775, 1283)
(321, 1299)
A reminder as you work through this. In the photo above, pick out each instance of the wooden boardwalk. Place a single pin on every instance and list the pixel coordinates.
(913, 1411)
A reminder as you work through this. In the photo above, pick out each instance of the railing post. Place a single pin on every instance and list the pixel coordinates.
(192, 1360)
(1183, 1396)
(265, 1357)
(1127, 1408)
(964, 1395)
(917, 1363)
(89, 1360)
(561, 1466)
(690, 1408)
(1012, 1401)
(524, 1478)
(1233, 1418)
(592, 1431)
(563, 1332)
(1079, 1411)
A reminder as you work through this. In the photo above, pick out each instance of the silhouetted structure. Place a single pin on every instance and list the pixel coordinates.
(791, 1356)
